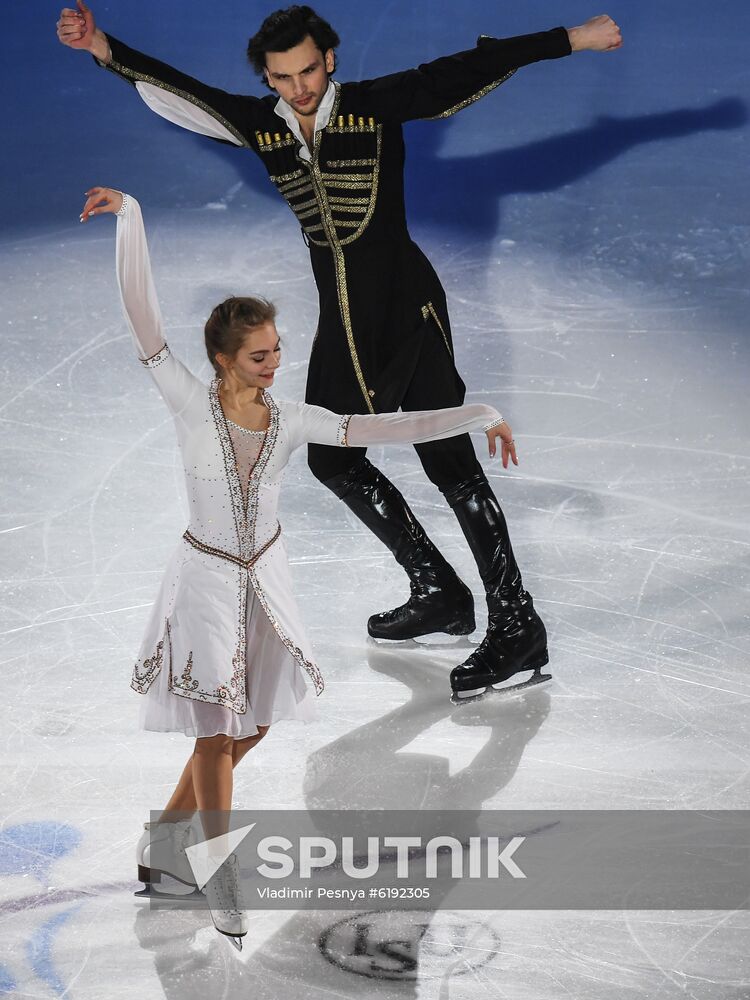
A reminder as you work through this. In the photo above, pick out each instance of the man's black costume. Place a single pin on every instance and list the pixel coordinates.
(384, 338)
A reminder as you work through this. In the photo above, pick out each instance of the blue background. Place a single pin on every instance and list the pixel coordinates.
(683, 71)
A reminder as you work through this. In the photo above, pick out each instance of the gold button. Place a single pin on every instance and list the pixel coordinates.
(370, 393)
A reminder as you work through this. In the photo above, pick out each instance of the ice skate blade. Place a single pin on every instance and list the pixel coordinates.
(236, 941)
(148, 892)
(151, 877)
(433, 641)
(467, 697)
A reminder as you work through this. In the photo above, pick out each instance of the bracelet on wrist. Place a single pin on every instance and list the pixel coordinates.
(495, 423)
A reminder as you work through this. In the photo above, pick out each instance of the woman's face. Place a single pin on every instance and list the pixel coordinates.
(255, 364)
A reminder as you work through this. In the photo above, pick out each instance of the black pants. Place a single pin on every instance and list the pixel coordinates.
(434, 384)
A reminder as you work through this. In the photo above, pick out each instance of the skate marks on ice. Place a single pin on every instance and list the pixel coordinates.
(378, 765)
(629, 518)
(390, 956)
(423, 751)
(450, 956)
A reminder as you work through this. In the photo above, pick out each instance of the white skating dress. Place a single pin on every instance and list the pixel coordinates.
(224, 649)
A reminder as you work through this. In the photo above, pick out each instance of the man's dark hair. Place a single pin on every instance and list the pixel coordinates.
(286, 28)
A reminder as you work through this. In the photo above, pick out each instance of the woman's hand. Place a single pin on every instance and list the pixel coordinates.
(504, 432)
(100, 200)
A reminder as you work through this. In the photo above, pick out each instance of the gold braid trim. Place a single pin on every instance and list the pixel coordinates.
(373, 193)
(351, 163)
(131, 74)
(344, 209)
(429, 310)
(341, 224)
(312, 203)
(306, 215)
(364, 181)
(470, 100)
(296, 188)
(338, 254)
(283, 178)
(340, 200)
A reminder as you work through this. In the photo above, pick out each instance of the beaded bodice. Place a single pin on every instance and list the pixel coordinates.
(247, 446)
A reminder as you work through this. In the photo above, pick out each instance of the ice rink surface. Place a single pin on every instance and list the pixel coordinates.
(590, 222)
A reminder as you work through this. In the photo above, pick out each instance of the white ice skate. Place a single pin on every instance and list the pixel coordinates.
(172, 839)
(223, 895)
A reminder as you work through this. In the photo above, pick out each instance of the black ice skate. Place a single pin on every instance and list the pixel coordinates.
(439, 601)
(516, 640)
(515, 643)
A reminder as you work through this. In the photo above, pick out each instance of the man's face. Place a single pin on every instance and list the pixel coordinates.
(300, 75)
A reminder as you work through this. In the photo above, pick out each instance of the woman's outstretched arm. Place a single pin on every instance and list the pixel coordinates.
(316, 425)
(138, 294)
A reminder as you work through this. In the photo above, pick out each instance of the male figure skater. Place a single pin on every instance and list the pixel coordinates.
(335, 152)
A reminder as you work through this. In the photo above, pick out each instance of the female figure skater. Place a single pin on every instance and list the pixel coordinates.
(224, 654)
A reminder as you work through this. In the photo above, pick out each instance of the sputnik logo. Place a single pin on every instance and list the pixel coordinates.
(207, 857)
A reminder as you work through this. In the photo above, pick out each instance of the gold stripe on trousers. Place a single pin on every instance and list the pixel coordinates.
(430, 311)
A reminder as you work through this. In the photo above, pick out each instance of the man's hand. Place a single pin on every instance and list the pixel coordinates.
(598, 34)
(77, 30)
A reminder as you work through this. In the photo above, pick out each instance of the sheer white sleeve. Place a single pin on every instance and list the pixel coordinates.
(182, 112)
(141, 307)
(316, 425)
(137, 290)
(419, 426)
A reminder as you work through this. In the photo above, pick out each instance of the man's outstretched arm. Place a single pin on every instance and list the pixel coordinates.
(441, 88)
(174, 95)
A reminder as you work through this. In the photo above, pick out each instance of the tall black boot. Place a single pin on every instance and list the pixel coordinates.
(516, 639)
(439, 601)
